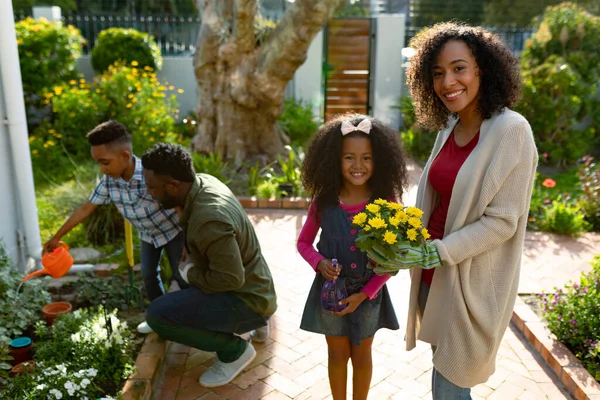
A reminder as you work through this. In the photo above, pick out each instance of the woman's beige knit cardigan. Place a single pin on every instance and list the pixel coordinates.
(472, 295)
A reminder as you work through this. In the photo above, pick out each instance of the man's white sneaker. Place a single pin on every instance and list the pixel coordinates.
(261, 334)
(222, 373)
(144, 328)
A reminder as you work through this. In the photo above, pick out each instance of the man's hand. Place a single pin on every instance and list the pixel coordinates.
(353, 302)
(51, 245)
(327, 269)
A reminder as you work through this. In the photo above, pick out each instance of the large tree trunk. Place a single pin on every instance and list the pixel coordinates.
(241, 86)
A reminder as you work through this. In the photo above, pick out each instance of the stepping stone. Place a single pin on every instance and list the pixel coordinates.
(83, 254)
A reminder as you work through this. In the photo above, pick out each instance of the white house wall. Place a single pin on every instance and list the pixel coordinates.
(9, 223)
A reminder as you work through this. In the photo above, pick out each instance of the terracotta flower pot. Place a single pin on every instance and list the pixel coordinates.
(23, 368)
(20, 350)
(52, 310)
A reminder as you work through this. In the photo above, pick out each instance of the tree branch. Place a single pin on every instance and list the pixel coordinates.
(243, 31)
(208, 36)
(286, 48)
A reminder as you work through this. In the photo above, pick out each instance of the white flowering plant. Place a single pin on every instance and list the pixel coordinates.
(54, 382)
(92, 339)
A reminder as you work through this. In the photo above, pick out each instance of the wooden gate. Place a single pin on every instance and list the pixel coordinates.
(348, 62)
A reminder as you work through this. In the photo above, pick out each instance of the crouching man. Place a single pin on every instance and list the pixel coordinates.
(231, 290)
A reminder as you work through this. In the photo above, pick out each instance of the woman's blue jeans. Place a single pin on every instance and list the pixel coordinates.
(441, 388)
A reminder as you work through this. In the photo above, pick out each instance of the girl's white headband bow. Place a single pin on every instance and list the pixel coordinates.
(364, 126)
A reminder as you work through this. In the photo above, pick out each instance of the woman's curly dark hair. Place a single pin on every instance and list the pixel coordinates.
(322, 172)
(500, 73)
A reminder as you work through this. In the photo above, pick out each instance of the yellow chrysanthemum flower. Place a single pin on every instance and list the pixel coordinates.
(415, 222)
(401, 215)
(359, 219)
(394, 206)
(394, 221)
(373, 208)
(134, 63)
(381, 202)
(425, 233)
(377, 223)
(414, 211)
(367, 228)
(390, 237)
(411, 234)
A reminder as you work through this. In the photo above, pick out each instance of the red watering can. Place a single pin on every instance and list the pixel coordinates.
(56, 263)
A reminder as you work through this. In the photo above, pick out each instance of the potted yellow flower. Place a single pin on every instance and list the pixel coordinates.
(394, 238)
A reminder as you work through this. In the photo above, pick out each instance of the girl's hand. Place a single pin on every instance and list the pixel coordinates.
(327, 269)
(353, 302)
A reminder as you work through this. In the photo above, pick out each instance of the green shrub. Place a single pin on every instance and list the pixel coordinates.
(5, 360)
(105, 226)
(561, 68)
(297, 121)
(133, 96)
(566, 30)
(125, 45)
(564, 218)
(554, 206)
(267, 189)
(47, 54)
(417, 142)
(589, 175)
(55, 203)
(26, 5)
(212, 164)
(18, 310)
(555, 100)
(572, 315)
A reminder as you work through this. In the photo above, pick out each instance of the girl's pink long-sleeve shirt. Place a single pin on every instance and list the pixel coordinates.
(312, 256)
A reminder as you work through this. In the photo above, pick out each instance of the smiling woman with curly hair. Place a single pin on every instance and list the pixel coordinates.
(500, 79)
(474, 192)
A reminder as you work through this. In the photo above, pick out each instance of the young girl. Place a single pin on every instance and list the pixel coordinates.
(351, 161)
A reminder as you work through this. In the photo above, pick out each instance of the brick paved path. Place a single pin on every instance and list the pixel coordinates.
(293, 363)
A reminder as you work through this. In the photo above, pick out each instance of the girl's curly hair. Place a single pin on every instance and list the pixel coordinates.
(322, 172)
(500, 73)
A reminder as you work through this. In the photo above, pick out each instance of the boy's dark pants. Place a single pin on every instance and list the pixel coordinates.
(150, 264)
(204, 321)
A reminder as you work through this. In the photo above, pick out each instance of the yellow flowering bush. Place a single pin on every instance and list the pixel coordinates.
(384, 224)
(128, 94)
(127, 45)
(47, 53)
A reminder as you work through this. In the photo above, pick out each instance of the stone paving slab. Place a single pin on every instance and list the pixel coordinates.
(292, 364)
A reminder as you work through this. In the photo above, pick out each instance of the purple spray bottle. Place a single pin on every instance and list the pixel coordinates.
(332, 292)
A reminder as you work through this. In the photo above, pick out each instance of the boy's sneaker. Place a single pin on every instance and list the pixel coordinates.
(144, 328)
(222, 373)
(261, 334)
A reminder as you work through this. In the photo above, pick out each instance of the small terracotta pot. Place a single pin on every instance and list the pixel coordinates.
(52, 310)
(23, 368)
(20, 350)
